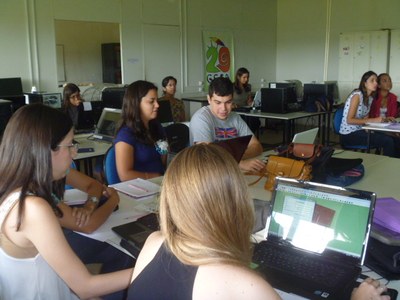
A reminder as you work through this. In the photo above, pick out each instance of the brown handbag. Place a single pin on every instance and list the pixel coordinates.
(283, 167)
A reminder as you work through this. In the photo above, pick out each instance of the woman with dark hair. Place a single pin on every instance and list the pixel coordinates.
(242, 88)
(242, 96)
(177, 106)
(72, 101)
(385, 103)
(140, 145)
(36, 150)
(355, 115)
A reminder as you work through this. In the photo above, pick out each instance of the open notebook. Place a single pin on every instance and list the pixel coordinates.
(316, 239)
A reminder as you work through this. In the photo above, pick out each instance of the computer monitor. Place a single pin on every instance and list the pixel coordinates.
(289, 86)
(112, 97)
(10, 87)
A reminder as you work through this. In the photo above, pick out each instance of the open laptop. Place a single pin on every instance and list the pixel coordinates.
(235, 146)
(306, 137)
(321, 228)
(107, 124)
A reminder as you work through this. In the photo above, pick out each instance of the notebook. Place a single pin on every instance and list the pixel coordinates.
(235, 146)
(315, 224)
(306, 137)
(107, 124)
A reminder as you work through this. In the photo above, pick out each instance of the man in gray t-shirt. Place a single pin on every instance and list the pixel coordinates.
(217, 122)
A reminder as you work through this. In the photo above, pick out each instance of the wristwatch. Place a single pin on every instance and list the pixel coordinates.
(94, 199)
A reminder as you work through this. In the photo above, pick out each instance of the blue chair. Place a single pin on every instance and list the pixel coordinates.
(73, 166)
(110, 167)
(337, 120)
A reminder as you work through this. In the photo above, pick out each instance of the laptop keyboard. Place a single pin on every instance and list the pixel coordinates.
(304, 267)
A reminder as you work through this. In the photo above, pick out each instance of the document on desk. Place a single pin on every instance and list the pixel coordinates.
(137, 188)
(104, 232)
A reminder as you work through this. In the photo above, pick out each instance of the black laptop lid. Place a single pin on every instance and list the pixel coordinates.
(236, 146)
(324, 219)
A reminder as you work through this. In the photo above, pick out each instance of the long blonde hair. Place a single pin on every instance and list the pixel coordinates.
(206, 214)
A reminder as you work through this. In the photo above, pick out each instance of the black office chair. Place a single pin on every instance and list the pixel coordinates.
(177, 136)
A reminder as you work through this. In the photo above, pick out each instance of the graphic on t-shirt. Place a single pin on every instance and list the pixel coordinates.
(225, 133)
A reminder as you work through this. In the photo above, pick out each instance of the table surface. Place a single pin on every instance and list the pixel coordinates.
(376, 166)
(86, 141)
(286, 116)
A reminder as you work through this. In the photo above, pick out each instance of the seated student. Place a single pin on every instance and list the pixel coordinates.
(203, 249)
(217, 121)
(73, 106)
(140, 145)
(87, 219)
(177, 106)
(35, 258)
(355, 115)
(242, 96)
(385, 103)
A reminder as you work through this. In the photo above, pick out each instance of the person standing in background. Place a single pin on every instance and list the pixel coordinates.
(385, 103)
(177, 106)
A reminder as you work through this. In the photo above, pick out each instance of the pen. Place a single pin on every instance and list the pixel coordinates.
(138, 188)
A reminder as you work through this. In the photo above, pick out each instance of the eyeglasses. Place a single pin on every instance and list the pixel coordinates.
(73, 146)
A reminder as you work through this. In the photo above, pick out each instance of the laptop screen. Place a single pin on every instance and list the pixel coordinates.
(107, 123)
(235, 146)
(317, 217)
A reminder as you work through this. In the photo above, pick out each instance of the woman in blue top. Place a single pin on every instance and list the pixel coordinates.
(140, 146)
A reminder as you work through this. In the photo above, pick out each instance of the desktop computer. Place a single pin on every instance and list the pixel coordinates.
(112, 97)
(274, 100)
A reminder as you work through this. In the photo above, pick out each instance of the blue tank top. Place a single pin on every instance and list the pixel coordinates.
(165, 277)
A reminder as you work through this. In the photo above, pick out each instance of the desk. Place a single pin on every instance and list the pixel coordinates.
(100, 148)
(289, 119)
(381, 128)
(197, 101)
(375, 167)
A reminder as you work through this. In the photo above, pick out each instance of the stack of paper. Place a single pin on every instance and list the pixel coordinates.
(137, 188)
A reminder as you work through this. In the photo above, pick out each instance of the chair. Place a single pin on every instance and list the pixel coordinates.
(72, 166)
(110, 167)
(177, 136)
(337, 120)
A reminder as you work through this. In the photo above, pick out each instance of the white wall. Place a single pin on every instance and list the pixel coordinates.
(253, 24)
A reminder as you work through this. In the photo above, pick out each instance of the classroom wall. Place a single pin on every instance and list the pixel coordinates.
(276, 40)
(158, 37)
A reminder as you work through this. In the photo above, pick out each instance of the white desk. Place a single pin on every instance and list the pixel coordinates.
(289, 121)
(381, 127)
(99, 147)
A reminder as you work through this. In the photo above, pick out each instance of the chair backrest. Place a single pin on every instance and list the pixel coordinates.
(72, 166)
(177, 136)
(337, 119)
(110, 167)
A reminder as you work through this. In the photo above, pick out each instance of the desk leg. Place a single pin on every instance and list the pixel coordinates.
(368, 140)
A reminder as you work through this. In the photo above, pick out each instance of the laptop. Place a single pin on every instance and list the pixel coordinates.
(235, 146)
(324, 229)
(107, 124)
(134, 234)
(306, 137)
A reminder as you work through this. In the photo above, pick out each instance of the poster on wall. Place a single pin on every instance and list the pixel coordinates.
(218, 54)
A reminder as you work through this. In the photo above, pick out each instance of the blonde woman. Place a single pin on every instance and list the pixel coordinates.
(203, 249)
(206, 218)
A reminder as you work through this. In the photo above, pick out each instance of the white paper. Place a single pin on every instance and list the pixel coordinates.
(137, 188)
